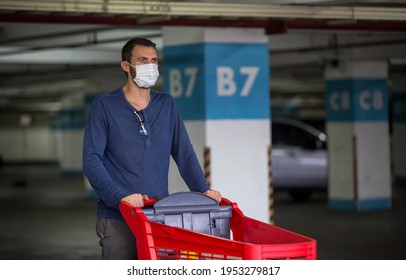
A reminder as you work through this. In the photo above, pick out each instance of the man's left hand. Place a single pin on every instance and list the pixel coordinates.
(213, 194)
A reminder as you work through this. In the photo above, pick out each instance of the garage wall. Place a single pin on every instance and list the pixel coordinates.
(29, 142)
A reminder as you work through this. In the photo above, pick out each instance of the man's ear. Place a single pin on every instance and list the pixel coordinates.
(125, 66)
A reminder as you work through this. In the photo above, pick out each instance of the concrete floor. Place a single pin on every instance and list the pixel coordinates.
(48, 218)
(51, 217)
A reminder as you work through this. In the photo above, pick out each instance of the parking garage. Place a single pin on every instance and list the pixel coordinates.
(331, 72)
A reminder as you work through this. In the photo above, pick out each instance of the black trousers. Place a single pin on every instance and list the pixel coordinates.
(116, 239)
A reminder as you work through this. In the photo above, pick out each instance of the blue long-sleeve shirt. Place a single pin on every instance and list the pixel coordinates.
(118, 161)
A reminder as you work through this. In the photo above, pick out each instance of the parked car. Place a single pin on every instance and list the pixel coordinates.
(299, 160)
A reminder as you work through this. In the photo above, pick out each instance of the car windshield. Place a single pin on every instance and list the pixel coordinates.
(296, 135)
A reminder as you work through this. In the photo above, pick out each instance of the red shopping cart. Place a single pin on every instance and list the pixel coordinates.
(251, 239)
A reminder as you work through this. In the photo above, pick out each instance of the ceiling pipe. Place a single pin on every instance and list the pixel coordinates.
(54, 88)
(67, 19)
(208, 9)
(280, 26)
(72, 45)
(54, 35)
(345, 25)
(338, 46)
(272, 26)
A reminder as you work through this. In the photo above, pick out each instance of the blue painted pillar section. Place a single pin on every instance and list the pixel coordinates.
(399, 137)
(358, 137)
(220, 81)
(68, 125)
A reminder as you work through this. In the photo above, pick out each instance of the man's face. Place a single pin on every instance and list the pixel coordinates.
(143, 55)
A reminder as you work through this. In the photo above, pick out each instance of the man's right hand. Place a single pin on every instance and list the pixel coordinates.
(135, 199)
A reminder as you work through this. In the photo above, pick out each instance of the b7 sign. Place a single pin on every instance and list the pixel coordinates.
(219, 81)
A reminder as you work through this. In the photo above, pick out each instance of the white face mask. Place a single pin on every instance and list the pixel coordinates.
(146, 74)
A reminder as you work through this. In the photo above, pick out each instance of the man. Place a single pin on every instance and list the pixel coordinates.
(130, 135)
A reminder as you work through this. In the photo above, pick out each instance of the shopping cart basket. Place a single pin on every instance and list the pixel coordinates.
(251, 239)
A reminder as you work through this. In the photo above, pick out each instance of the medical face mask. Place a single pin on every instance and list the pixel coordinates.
(146, 74)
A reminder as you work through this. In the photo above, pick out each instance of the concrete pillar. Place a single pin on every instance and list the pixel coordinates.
(68, 126)
(358, 136)
(219, 78)
(399, 129)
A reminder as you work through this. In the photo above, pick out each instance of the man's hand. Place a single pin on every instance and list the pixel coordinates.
(213, 194)
(135, 199)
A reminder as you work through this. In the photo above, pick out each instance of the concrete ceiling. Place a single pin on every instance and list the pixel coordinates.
(51, 49)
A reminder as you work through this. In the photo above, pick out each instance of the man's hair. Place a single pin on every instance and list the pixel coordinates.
(127, 50)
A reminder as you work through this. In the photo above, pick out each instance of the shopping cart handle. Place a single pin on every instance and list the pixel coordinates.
(150, 201)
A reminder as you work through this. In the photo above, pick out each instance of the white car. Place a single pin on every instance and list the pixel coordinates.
(299, 160)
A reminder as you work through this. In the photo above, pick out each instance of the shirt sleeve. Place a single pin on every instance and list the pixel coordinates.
(185, 157)
(94, 146)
